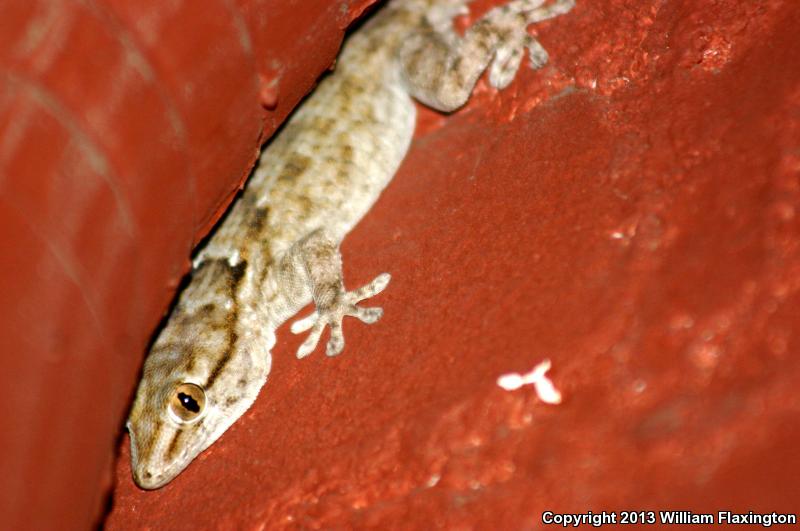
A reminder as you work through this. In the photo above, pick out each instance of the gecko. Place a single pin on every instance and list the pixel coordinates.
(277, 249)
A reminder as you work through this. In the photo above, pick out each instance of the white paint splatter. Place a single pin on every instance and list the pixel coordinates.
(544, 387)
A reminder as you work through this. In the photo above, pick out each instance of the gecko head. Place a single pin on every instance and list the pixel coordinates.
(199, 378)
(169, 425)
(178, 415)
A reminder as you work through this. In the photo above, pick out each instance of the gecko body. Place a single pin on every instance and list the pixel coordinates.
(278, 248)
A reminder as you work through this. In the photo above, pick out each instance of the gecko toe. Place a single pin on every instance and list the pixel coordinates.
(336, 342)
(311, 341)
(505, 65)
(301, 325)
(537, 53)
(368, 315)
(377, 285)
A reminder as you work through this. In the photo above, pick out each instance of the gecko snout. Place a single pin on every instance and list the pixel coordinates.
(147, 479)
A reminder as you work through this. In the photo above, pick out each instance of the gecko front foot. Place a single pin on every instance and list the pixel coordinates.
(333, 314)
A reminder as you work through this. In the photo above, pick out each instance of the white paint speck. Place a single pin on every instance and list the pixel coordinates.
(433, 480)
(544, 387)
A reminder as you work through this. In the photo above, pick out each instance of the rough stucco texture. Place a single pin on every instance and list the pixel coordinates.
(125, 129)
(629, 212)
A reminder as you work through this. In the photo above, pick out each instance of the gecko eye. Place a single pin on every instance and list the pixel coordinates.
(187, 402)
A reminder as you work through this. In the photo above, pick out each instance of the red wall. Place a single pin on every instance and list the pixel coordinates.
(630, 212)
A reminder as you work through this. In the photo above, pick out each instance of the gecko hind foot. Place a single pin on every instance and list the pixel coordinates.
(344, 304)
(513, 20)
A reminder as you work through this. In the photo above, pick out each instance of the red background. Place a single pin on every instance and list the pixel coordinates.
(630, 212)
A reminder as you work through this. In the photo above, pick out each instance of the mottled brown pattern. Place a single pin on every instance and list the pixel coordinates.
(294, 167)
(173, 445)
(231, 400)
(235, 273)
(222, 362)
(147, 448)
(258, 219)
(192, 359)
(207, 309)
(324, 125)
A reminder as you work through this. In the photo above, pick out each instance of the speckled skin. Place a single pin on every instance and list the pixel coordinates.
(278, 248)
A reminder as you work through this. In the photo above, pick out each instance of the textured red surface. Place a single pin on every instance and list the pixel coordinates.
(125, 129)
(631, 213)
